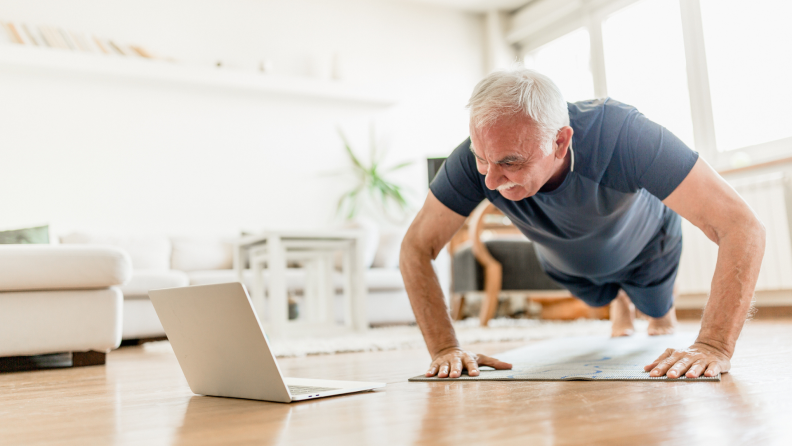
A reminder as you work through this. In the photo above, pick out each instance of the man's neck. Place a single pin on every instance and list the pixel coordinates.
(560, 174)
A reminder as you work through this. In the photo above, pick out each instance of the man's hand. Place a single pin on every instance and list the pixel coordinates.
(699, 359)
(449, 363)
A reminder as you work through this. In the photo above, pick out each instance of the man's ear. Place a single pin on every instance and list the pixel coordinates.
(562, 141)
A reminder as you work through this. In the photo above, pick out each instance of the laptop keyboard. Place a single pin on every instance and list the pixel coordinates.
(303, 390)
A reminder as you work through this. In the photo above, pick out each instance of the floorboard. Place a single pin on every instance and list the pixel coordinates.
(141, 397)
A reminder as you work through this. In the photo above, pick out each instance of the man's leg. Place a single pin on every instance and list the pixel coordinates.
(657, 303)
(622, 315)
(598, 294)
(665, 324)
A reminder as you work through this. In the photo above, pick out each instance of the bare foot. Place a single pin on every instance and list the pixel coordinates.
(663, 325)
(622, 313)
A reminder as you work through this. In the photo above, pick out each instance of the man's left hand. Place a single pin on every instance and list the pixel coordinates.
(692, 362)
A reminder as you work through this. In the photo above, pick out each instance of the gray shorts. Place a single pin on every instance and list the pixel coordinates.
(648, 279)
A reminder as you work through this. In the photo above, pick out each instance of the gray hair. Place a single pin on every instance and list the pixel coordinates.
(520, 90)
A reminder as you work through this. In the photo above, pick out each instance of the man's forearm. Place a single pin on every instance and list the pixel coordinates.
(426, 298)
(733, 285)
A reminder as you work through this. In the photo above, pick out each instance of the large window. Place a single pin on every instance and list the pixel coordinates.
(749, 59)
(567, 62)
(717, 73)
(645, 63)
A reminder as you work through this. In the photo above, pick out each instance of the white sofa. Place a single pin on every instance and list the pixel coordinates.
(165, 262)
(61, 299)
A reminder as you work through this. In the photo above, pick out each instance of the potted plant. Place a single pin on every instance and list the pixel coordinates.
(374, 192)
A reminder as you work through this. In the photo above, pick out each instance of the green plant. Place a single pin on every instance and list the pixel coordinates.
(385, 194)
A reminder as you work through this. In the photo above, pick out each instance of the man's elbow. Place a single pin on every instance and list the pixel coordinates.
(412, 248)
(757, 231)
(749, 231)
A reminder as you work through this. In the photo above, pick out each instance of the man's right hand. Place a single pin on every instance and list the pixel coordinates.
(449, 363)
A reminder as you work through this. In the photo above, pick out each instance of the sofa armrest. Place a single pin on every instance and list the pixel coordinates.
(62, 267)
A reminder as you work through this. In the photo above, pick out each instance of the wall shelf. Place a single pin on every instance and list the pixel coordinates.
(158, 71)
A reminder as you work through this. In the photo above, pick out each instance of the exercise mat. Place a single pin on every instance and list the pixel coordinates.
(586, 358)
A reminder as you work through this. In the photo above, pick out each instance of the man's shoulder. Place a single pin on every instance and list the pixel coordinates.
(597, 126)
(593, 114)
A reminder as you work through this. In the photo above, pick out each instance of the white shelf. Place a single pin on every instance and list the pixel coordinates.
(91, 64)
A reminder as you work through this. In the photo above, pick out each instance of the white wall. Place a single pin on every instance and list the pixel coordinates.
(111, 155)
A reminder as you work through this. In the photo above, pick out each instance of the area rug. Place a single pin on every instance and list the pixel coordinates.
(409, 337)
(586, 358)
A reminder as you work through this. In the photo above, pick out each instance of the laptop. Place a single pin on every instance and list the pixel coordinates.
(223, 350)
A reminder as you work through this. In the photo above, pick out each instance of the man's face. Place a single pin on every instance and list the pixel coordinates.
(510, 154)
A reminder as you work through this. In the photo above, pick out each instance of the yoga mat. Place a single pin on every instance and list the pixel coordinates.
(587, 358)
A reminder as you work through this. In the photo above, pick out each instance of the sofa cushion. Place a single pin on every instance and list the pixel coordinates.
(140, 320)
(61, 267)
(388, 249)
(144, 280)
(201, 253)
(39, 322)
(146, 252)
(384, 279)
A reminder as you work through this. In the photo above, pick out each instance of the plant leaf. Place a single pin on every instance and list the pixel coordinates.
(351, 154)
(373, 145)
(400, 166)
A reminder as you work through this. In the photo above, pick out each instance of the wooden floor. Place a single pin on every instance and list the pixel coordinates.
(142, 398)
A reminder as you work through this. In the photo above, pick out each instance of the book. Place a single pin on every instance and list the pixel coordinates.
(39, 35)
(15, 35)
(116, 48)
(100, 45)
(67, 38)
(81, 41)
(4, 36)
(141, 52)
(53, 37)
(31, 36)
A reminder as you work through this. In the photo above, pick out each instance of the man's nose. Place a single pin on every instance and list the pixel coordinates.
(494, 176)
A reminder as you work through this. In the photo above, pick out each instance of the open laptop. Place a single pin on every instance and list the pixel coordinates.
(223, 351)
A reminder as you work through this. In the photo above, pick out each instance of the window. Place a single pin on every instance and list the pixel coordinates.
(748, 47)
(645, 63)
(566, 61)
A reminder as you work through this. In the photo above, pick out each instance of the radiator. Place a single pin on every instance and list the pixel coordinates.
(767, 196)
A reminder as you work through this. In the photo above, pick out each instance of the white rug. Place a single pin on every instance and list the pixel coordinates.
(409, 337)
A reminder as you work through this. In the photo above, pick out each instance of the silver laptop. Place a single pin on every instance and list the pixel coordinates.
(223, 351)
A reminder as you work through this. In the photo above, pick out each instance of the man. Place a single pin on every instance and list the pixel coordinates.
(600, 190)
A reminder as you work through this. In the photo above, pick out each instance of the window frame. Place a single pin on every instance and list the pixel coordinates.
(543, 21)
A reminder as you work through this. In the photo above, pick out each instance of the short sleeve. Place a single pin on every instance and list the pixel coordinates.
(660, 161)
(458, 184)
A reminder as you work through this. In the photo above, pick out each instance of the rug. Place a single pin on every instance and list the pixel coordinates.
(409, 337)
(587, 358)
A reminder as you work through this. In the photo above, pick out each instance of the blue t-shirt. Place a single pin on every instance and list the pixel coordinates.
(608, 207)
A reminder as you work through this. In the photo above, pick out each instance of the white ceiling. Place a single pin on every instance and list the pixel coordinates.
(478, 5)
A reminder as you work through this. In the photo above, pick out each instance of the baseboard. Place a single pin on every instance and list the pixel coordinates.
(764, 298)
(781, 312)
(51, 361)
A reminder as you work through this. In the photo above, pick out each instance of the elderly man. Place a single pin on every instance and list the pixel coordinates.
(600, 190)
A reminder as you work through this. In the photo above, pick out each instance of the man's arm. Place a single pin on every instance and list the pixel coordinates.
(707, 201)
(432, 228)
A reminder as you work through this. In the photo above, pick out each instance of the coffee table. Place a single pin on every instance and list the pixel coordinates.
(271, 250)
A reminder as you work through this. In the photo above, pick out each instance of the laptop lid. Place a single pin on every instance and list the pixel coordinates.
(219, 342)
